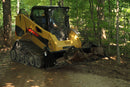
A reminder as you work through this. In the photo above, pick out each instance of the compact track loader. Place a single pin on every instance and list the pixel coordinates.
(43, 37)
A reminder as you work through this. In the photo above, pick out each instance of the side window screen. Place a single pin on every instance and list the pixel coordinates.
(39, 17)
(19, 31)
(38, 12)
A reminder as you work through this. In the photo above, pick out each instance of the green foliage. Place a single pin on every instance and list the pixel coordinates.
(86, 19)
(125, 51)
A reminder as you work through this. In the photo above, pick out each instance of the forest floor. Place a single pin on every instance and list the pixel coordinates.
(98, 73)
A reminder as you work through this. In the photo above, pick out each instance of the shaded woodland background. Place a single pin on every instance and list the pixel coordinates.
(105, 23)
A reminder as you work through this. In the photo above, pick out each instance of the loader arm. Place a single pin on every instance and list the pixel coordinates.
(28, 26)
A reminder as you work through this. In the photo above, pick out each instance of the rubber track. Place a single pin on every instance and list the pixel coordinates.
(28, 49)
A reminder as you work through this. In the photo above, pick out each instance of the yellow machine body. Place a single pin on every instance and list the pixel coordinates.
(24, 23)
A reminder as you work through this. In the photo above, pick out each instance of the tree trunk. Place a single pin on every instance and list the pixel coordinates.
(62, 3)
(117, 32)
(77, 11)
(18, 5)
(50, 2)
(110, 20)
(7, 22)
(100, 17)
(0, 1)
(129, 36)
(92, 17)
(125, 28)
(109, 23)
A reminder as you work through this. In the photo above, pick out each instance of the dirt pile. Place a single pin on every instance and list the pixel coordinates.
(94, 54)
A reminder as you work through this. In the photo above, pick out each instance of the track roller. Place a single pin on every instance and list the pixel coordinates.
(31, 60)
(38, 62)
(13, 55)
(18, 58)
(26, 60)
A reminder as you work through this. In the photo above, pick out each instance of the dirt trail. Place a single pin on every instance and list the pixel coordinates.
(19, 75)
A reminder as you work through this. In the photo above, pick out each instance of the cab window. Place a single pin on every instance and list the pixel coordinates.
(38, 12)
(38, 16)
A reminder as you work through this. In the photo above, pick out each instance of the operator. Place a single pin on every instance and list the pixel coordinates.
(53, 23)
(57, 30)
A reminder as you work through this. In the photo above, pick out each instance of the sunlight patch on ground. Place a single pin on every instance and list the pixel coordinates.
(13, 68)
(123, 44)
(113, 57)
(105, 58)
(9, 85)
(50, 79)
(30, 81)
(5, 49)
(19, 76)
(121, 59)
(35, 86)
(114, 44)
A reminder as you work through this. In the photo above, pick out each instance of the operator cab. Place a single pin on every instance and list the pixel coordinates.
(53, 19)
